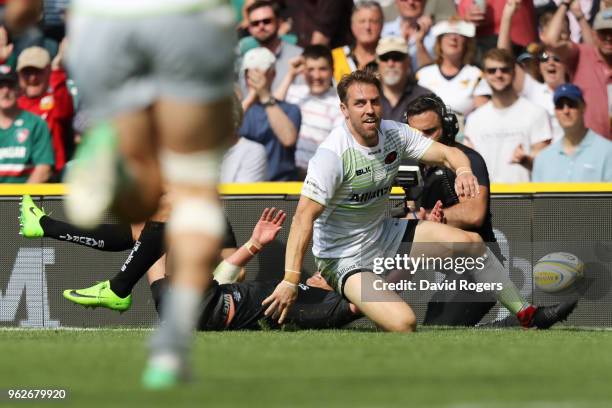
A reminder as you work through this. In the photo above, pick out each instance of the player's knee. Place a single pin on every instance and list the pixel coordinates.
(469, 243)
(404, 324)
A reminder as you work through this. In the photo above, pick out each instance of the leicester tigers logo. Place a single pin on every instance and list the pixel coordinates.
(22, 135)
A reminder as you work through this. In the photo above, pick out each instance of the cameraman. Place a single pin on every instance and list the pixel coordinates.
(429, 114)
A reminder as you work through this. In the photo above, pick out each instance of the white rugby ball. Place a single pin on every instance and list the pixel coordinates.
(557, 271)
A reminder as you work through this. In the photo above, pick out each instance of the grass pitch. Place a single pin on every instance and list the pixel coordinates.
(432, 368)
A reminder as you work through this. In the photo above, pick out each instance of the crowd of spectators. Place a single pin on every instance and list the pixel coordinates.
(530, 83)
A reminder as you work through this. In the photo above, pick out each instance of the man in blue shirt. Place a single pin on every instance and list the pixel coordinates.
(581, 155)
(274, 124)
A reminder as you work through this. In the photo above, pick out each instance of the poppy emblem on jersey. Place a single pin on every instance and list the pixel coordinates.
(47, 103)
(22, 135)
(391, 157)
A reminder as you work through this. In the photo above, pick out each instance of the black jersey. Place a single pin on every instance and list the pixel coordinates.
(439, 184)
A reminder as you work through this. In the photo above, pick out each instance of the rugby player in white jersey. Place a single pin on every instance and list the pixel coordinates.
(343, 205)
(155, 78)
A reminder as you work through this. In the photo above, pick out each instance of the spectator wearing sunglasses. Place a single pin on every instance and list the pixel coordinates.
(263, 20)
(551, 71)
(452, 77)
(581, 155)
(398, 84)
(508, 131)
(589, 65)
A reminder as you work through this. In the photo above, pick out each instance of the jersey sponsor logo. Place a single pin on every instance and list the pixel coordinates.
(311, 185)
(367, 196)
(374, 152)
(22, 135)
(365, 170)
(391, 157)
(13, 152)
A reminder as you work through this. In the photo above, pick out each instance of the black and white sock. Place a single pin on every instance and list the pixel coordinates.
(106, 237)
(146, 251)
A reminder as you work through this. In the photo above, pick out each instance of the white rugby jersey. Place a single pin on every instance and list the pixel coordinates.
(353, 182)
(457, 92)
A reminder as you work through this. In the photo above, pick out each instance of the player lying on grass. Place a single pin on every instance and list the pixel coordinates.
(228, 305)
(146, 250)
(343, 209)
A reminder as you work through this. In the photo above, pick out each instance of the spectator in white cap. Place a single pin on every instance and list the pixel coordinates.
(274, 124)
(590, 66)
(398, 84)
(452, 77)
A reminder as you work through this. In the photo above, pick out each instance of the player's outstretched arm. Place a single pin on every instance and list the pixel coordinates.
(438, 154)
(267, 228)
(283, 297)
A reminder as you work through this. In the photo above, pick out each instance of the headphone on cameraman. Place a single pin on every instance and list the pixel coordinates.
(450, 125)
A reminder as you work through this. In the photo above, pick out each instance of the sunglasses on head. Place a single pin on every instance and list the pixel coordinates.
(563, 102)
(544, 57)
(264, 21)
(504, 70)
(395, 56)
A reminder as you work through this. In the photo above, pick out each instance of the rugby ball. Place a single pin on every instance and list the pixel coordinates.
(557, 271)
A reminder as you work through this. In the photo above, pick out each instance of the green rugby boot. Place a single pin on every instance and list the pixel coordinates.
(94, 177)
(99, 295)
(165, 372)
(29, 218)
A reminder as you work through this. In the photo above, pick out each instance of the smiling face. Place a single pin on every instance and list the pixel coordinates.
(499, 75)
(318, 74)
(363, 111)
(553, 70)
(366, 25)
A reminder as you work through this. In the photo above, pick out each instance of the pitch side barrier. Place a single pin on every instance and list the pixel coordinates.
(531, 220)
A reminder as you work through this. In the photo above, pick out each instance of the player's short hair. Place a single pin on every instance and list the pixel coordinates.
(367, 4)
(318, 51)
(264, 3)
(364, 76)
(500, 55)
(424, 104)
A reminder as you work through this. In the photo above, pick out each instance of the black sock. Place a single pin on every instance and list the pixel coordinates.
(158, 289)
(106, 237)
(146, 251)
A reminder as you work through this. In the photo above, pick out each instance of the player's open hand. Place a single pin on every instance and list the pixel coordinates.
(466, 184)
(280, 301)
(435, 215)
(268, 226)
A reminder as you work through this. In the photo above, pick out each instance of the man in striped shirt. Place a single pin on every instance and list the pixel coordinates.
(317, 99)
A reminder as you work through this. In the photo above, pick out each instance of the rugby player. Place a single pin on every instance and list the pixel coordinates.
(229, 304)
(343, 204)
(161, 111)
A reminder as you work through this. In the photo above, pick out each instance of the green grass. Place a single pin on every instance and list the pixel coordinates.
(432, 368)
